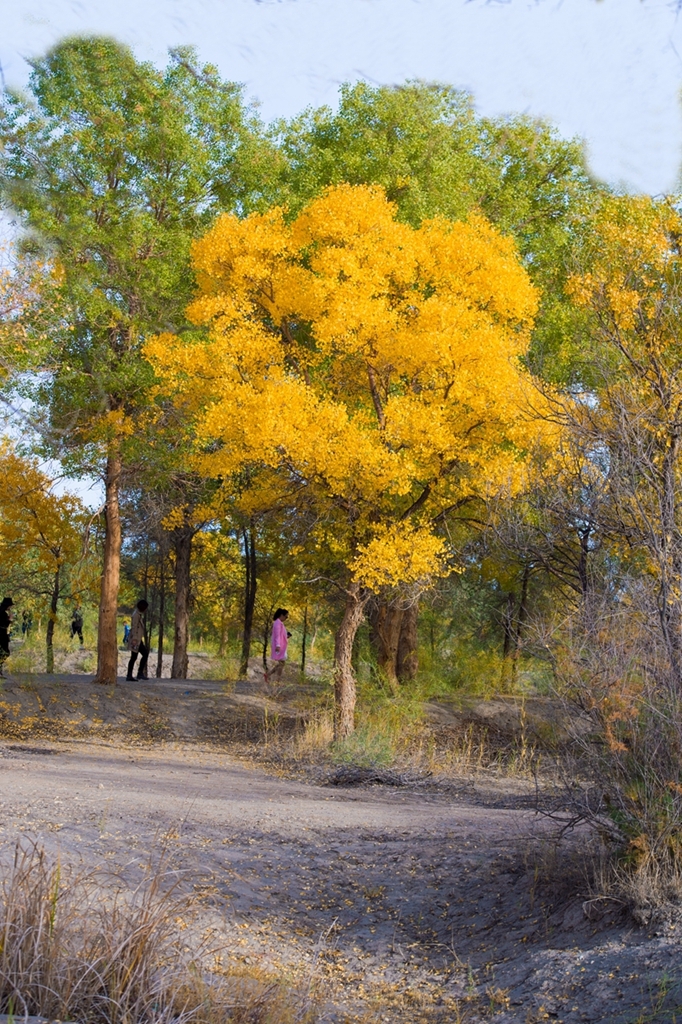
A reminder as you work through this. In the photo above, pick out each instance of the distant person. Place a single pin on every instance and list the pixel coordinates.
(26, 623)
(126, 633)
(278, 646)
(77, 624)
(5, 623)
(137, 642)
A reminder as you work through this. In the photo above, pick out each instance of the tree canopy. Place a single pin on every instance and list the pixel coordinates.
(376, 364)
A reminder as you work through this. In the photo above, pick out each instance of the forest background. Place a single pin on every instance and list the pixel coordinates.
(408, 371)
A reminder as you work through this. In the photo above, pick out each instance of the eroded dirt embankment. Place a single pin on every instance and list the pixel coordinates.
(407, 903)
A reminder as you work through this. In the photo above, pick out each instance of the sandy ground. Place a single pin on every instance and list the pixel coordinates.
(406, 904)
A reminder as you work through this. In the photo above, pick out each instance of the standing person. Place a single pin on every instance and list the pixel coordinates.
(278, 646)
(137, 641)
(77, 624)
(5, 622)
(126, 633)
(26, 623)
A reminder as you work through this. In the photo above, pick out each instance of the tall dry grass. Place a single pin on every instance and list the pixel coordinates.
(72, 949)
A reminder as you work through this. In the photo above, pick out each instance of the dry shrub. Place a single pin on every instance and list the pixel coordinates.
(71, 949)
(624, 775)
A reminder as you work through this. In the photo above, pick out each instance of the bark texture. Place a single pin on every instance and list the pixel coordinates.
(183, 538)
(408, 658)
(107, 640)
(385, 621)
(393, 635)
(344, 678)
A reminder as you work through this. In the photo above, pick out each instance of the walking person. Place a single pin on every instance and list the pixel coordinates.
(26, 623)
(5, 622)
(77, 624)
(278, 646)
(137, 641)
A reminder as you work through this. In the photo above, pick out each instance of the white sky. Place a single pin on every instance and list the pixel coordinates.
(607, 71)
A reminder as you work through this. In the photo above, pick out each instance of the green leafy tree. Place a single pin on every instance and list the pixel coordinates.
(113, 167)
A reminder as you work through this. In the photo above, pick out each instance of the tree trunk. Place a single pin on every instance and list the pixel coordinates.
(250, 589)
(408, 659)
(107, 639)
(51, 622)
(304, 639)
(344, 680)
(266, 641)
(520, 622)
(183, 559)
(224, 635)
(508, 626)
(162, 615)
(385, 621)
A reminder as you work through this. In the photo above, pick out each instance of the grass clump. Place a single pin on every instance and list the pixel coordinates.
(71, 949)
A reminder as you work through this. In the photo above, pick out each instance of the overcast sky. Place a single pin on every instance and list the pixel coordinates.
(608, 71)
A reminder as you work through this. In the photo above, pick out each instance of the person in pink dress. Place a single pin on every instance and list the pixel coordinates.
(278, 646)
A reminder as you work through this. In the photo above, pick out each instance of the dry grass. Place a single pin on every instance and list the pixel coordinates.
(71, 949)
(650, 891)
(407, 742)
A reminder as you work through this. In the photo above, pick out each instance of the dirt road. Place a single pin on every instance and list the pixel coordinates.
(412, 905)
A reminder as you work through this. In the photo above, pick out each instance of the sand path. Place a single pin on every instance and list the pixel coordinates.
(408, 900)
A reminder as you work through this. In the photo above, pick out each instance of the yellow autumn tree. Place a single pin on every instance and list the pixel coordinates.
(44, 533)
(620, 654)
(375, 365)
(631, 289)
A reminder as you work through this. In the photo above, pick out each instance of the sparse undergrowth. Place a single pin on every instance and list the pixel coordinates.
(72, 948)
(394, 732)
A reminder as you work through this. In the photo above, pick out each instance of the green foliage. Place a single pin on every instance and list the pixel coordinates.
(113, 168)
(434, 155)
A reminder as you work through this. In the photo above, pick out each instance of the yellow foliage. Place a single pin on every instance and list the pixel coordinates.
(32, 518)
(400, 553)
(377, 364)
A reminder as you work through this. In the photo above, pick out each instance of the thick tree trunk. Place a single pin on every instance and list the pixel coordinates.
(183, 560)
(393, 635)
(408, 659)
(162, 615)
(385, 621)
(107, 639)
(51, 622)
(344, 679)
(250, 589)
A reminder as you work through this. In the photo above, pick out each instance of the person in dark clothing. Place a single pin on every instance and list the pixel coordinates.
(137, 642)
(77, 625)
(26, 623)
(5, 622)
